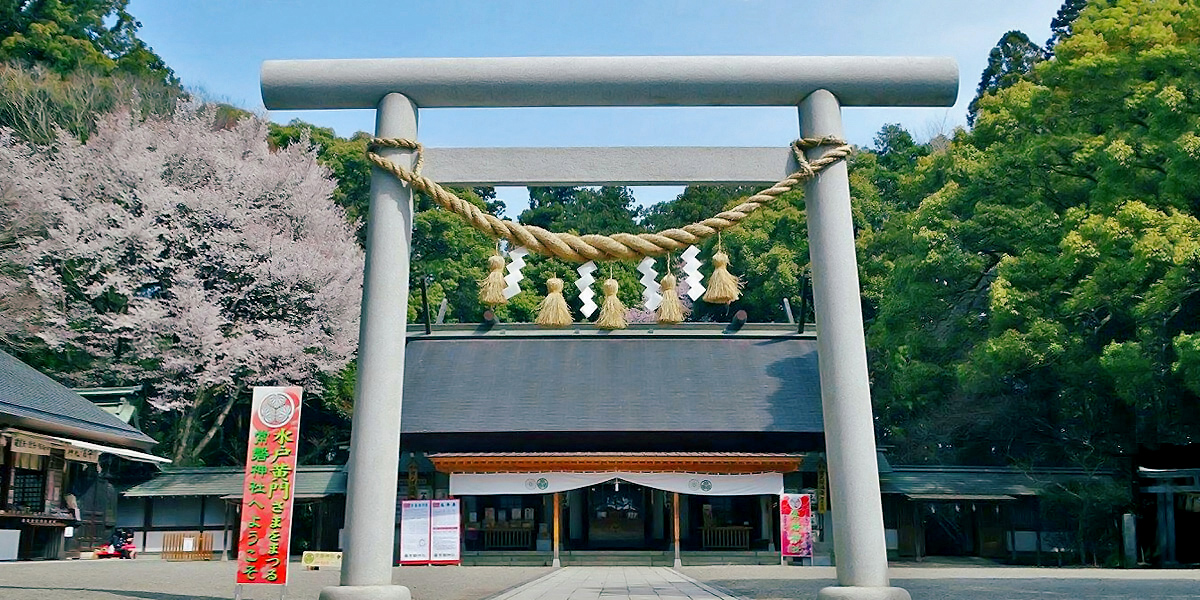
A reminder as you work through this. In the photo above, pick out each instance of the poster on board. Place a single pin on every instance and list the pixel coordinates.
(445, 530)
(270, 477)
(795, 524)
(414, 532)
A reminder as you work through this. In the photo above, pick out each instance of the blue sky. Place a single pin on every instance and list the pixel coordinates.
(217, 46)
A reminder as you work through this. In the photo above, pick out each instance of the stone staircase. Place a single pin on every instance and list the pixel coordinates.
(618, 558)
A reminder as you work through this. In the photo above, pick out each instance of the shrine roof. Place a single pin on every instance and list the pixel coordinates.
(691, 378)
(31, 400)
(312, 481)
(970, 482)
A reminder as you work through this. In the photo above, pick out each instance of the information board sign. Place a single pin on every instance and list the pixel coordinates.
(414, 532)
(445, 529)
(267, 495)
(795, 524)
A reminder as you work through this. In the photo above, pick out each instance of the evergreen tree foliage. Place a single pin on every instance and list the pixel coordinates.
(1060, 26)
(1042, 306)
(71, 36)
(1009, 62)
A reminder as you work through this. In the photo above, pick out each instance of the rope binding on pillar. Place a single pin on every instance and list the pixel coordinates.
(618, 246)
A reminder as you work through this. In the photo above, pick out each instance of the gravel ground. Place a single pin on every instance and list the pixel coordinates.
(953, 583)
(152, 579)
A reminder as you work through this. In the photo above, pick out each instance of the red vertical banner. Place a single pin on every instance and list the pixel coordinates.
(795, 524)
(267, 493)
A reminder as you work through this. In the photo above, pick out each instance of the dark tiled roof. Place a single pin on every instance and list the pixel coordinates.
(311, 481)
(954, 480)
(624, 382)
(31, 400)
(618, 454)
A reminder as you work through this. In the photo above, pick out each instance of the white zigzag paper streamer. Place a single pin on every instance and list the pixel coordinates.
(584, 283)
(691, 267)
(514, 277)
(652, 294)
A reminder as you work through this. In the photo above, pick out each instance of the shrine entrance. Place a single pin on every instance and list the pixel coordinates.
(616, 516)
(817, 86)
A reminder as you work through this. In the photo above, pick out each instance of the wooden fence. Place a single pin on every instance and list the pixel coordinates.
(508, 539)
(726, 538)
(187, 545)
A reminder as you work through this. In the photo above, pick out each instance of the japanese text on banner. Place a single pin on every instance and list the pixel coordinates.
(267, 493)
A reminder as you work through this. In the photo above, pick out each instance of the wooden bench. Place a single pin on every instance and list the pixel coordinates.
(734, 537)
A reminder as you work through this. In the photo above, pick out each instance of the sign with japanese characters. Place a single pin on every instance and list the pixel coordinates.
(30, 445)
(414, 532)
(795, 524)
(81, 454)
(267, 493)
(445, 535)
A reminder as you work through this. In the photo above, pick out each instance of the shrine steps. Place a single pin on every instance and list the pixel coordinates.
(619, 558)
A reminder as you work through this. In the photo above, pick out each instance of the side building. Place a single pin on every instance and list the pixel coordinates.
(55, 498)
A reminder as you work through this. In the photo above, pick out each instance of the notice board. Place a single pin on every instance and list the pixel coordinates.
(415, 532)
(445, 531)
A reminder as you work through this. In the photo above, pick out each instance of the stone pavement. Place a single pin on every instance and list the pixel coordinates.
(614, 583)
(149, 578)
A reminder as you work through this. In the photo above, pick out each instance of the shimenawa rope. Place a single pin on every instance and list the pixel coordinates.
(623, 246)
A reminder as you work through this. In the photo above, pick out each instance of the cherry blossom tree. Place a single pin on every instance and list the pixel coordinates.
(180, 253)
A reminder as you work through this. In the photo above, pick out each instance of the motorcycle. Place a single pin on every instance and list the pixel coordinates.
(120, 546)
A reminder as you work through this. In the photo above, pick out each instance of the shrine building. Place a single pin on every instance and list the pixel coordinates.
(643, 439)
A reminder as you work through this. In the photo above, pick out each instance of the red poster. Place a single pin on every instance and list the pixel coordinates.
(267, 492)
(795, 524)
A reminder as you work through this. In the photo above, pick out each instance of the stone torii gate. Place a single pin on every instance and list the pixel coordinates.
(818, 86)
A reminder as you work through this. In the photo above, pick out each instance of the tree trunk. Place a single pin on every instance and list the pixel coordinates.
(216, 426)
(185, 433)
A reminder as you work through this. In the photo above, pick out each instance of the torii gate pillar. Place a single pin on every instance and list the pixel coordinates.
(375, 437)
(859, 543)
(820, 86)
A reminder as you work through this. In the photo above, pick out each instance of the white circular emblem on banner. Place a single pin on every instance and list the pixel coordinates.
(275, 410)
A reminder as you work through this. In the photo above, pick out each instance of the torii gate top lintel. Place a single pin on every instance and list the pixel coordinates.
(609, 81)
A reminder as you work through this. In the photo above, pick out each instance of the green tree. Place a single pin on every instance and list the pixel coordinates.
(35, 101)
(1009, 62)
(605, 210)
(69, 36)
(696, 203)
(1042, 305)
(454, 257)
(1061, 25)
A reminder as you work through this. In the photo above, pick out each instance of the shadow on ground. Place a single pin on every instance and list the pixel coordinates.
(118, 593)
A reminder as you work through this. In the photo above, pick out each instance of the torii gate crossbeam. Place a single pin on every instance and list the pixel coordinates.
(818, 86)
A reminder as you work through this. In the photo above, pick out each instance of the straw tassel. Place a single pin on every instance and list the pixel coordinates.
(670, 311)
(723, 286)
(554, 311)
(612, 313)
(491, 288)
